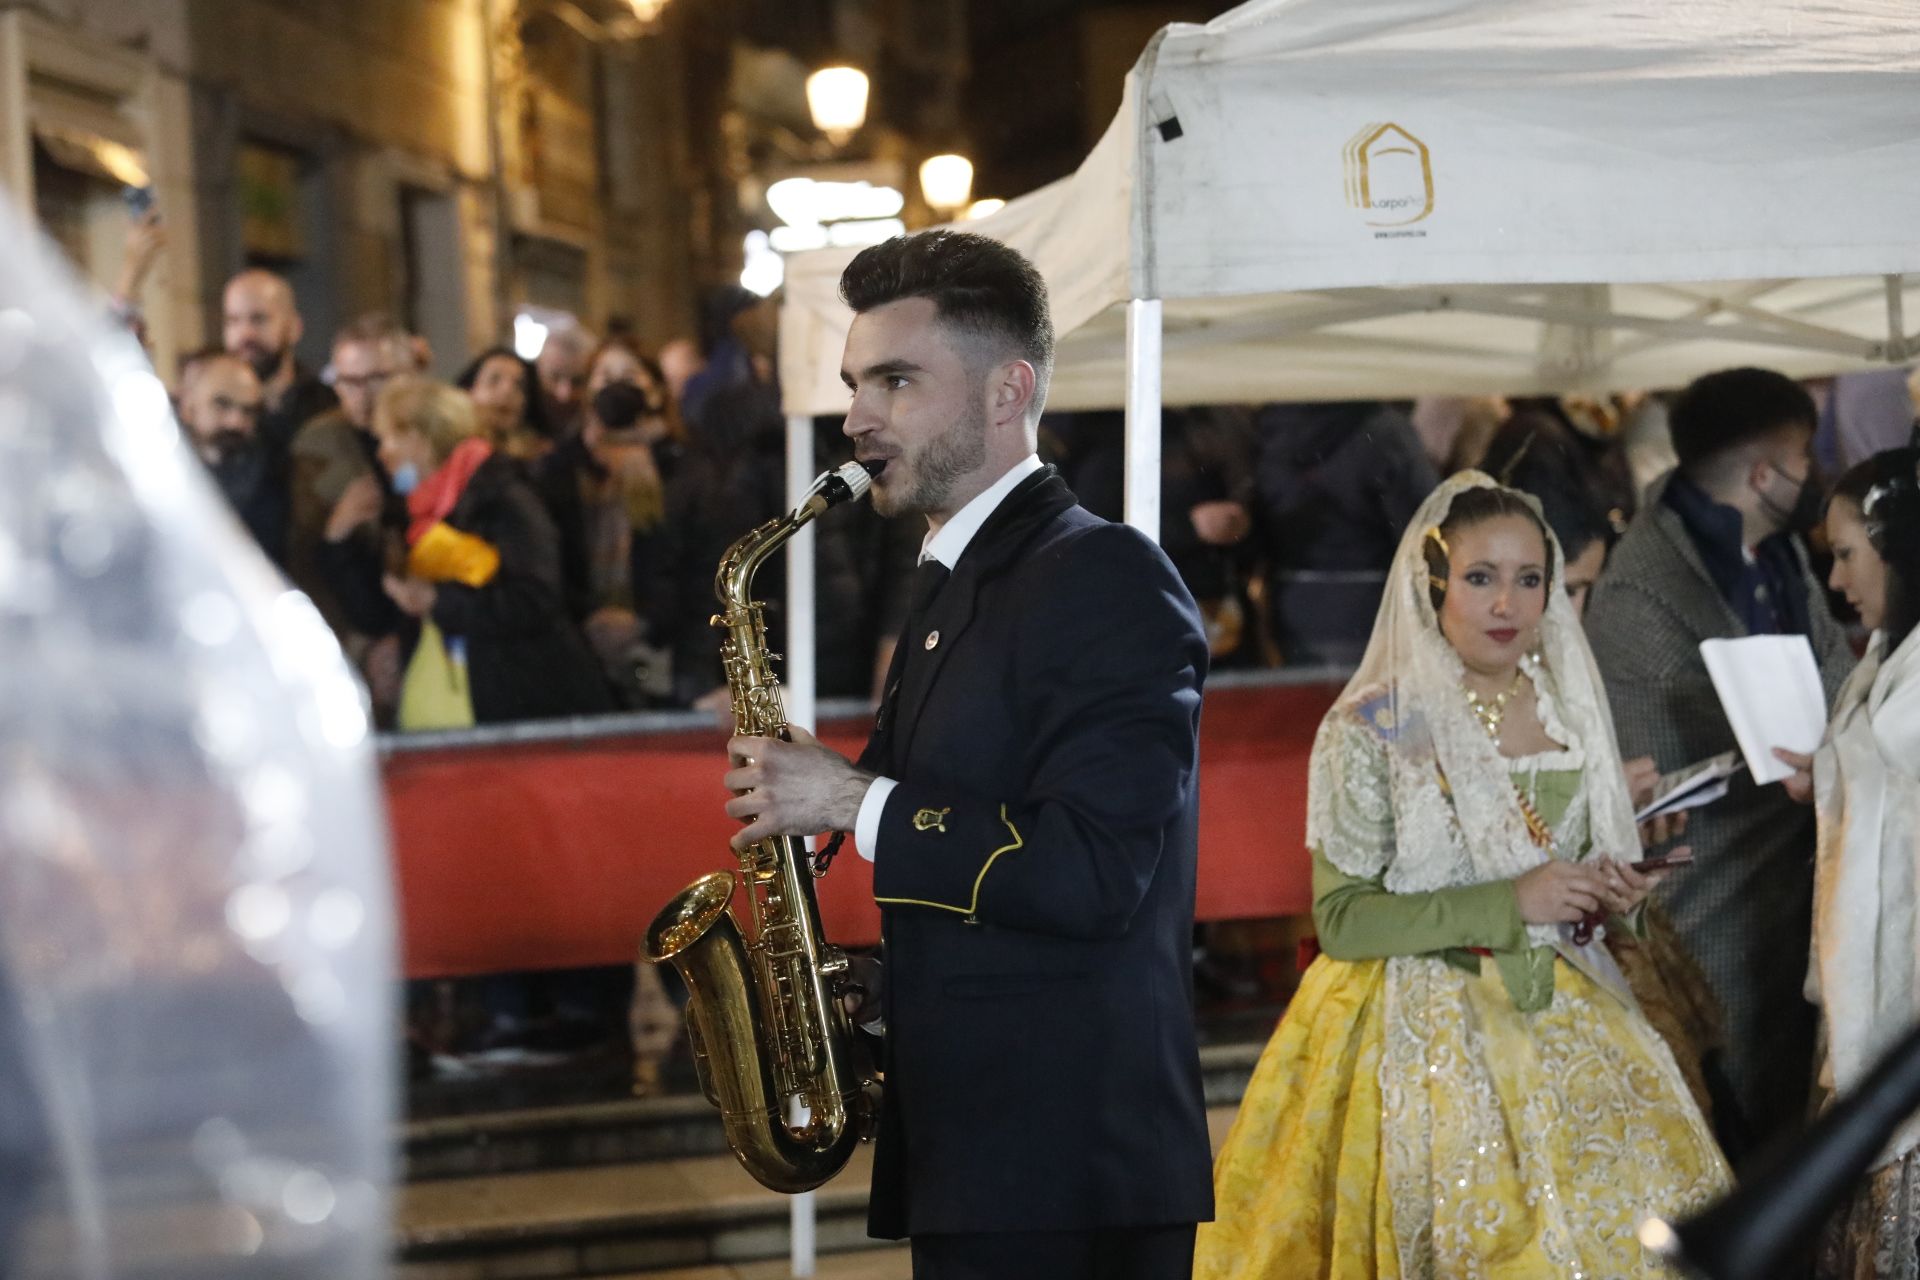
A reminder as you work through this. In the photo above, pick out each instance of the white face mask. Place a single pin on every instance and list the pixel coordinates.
(406, 478)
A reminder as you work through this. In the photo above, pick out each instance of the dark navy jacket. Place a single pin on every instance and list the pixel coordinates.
(1035, 872)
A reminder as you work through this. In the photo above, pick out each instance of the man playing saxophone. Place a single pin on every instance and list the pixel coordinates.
(1028, 800)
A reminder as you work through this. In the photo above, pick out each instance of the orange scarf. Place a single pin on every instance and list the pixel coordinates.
(434, 498)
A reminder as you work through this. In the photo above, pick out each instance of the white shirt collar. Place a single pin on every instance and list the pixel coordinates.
(946, 545)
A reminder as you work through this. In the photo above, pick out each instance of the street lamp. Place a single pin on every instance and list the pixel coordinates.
(837, 101)
(946, 181)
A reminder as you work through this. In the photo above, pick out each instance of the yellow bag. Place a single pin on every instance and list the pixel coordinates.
(446, 554)
(434, 692)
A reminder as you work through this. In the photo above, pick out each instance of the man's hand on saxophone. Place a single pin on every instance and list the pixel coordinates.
(796, 788)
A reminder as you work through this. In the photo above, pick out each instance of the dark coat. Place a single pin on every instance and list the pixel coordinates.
(712, 499)
(306, 398)
(330, 453)
(254, 483)
(1745, 906)
(1035, 873)
(1338, 483)
(525, 660)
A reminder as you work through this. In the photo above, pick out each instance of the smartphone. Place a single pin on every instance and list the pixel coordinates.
(139, 201)
(1662, 861)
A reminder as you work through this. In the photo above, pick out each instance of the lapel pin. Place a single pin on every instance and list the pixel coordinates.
(933, 641)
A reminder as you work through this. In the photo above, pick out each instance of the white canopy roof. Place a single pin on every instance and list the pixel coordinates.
(1428, 196)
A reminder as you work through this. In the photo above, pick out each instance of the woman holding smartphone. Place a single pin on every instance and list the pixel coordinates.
(1464, 1084)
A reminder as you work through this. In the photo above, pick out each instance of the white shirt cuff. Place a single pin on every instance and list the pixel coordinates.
(866, 827)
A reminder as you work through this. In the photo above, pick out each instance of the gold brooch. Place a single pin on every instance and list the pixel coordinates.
(931, 820)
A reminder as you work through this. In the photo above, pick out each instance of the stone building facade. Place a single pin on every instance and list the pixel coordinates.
(452, 162)
(445, 161)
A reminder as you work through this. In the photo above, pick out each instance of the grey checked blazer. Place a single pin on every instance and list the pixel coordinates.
(1745, 907)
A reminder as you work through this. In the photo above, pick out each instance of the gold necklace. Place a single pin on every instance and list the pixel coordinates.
(1491, 712)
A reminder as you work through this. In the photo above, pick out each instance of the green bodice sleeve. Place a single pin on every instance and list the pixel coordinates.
(1358, 918)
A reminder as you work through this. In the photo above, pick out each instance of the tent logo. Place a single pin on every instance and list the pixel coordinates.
(1389, 175)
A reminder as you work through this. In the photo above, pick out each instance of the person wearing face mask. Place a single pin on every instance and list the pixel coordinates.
(1711, 555)
(481, 560)
(600, 484)
(1864, 783)
(1464, 1084)
(219, 405)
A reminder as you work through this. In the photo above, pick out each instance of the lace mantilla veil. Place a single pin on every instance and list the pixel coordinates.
(1446, 794)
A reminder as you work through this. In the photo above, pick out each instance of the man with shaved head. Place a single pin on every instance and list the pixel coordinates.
(261, 325)
(219, 406)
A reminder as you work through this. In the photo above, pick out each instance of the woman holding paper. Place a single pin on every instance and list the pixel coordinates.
(1461, 1086)
(1865, 784)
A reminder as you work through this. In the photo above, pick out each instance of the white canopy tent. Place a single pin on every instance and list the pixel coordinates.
(1317, 199)
(1408, 197)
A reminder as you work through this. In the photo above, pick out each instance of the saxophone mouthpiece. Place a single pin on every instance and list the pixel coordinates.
(842, 484)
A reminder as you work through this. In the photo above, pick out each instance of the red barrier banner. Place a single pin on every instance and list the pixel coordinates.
(556, 853)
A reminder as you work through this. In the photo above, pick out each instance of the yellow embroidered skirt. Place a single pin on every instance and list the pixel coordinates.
(1407, 1121)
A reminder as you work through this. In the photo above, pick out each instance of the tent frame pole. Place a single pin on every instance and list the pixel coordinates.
(799, 690)
(1142, 506)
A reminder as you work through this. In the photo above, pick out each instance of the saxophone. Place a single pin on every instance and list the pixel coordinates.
(770, 1039)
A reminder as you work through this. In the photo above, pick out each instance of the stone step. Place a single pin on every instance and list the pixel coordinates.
(612, 1218)
(703, 1215)
(642, 1129)
(890, 1263)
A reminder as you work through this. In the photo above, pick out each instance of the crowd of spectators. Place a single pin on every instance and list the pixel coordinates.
(538, 539)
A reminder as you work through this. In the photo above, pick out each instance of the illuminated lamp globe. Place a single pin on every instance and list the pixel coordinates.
(946, 181)
(981, 208)
(837, 101)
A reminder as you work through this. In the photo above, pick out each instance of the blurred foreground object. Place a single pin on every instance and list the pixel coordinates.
(1760, 1230)
(195, 918)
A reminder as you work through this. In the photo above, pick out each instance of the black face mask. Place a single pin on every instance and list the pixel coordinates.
(1803, 513)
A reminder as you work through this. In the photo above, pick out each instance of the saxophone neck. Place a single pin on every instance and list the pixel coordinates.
(733, 583)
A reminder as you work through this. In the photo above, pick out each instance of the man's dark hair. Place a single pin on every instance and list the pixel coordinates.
(977, 285)
(1537, 454)
(1723, 411)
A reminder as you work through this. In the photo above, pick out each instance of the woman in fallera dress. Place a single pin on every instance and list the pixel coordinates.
(1463, 1085)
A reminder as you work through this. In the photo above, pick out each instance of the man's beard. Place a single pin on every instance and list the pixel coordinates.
(265, 364)
(239, 464)
(230, 444)
(955, 452)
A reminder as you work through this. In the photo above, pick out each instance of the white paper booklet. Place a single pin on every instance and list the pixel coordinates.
(1770, 688)
(1700, 783)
